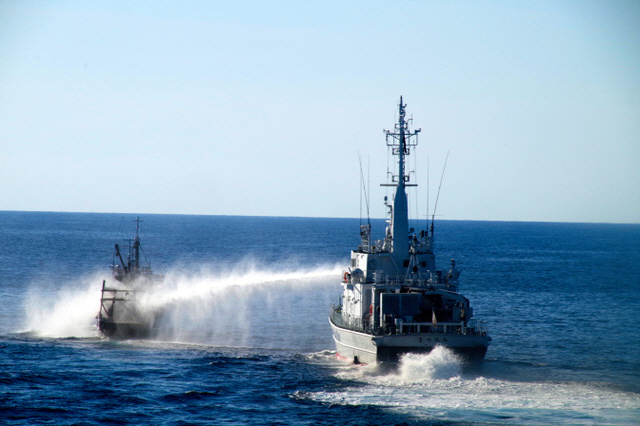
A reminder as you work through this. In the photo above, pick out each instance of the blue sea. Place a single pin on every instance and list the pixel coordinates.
(244, 336)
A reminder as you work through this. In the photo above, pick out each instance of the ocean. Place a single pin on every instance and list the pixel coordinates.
(244, 337)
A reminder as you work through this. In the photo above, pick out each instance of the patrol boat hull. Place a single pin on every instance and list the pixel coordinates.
(365, 348)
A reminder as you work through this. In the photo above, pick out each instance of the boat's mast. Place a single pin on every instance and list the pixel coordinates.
(400, 141)
(136, 246)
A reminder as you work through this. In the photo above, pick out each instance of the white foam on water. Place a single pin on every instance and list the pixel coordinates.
(412, 369)
(440, 363)
(432, 387)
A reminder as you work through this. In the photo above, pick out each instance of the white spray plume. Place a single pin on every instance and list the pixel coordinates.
(440, 364)
(67, 311)
(241, 306)
(413, 369)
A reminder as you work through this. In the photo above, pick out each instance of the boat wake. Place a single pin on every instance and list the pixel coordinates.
(412, 369)
(433, 387)
(440, 363)
(246, 306)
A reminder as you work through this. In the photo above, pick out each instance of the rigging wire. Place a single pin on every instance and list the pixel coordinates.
(428, 188)
(415, 175)
(364, 190)
(368, 184)
(438, 195)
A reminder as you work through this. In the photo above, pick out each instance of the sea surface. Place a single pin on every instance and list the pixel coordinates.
(245, 339)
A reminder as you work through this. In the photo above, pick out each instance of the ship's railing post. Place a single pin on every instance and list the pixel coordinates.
(102, 307)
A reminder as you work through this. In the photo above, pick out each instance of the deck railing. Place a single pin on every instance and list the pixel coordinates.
(433, 280)
(473, 327)
(439, 328)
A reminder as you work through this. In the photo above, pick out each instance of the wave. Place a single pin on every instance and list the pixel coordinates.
(433, 387)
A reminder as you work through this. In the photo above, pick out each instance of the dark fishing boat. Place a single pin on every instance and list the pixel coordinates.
(394, 299)
(122, 314)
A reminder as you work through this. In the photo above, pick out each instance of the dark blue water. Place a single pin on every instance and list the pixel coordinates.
(245, 336)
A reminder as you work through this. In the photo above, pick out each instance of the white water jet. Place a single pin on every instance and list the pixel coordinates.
(245, 306)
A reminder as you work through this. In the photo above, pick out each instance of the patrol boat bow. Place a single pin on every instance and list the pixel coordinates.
(394, 300)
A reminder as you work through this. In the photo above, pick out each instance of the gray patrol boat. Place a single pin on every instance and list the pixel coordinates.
(394, 299)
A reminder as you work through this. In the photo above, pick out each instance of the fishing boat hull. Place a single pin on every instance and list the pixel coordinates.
(124, 330)
(366, 348)
(122, 316)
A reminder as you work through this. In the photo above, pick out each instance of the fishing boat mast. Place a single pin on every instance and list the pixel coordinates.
(131, 268)
(136, 246)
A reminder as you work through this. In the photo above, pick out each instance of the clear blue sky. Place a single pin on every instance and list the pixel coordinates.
(261, 107)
